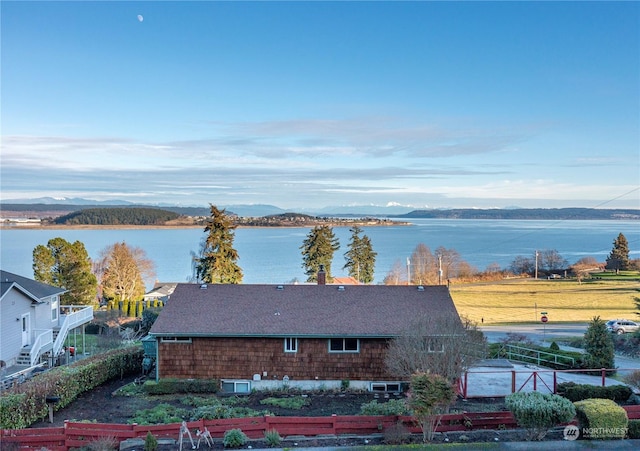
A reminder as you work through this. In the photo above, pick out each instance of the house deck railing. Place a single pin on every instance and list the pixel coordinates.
(77, 316)
(42, 343)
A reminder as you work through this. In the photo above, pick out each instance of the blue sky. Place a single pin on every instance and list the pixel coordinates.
(313, 104)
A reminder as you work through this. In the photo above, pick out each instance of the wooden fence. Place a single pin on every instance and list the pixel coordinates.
(75, 435)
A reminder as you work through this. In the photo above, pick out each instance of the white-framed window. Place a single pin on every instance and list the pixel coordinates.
(175, 339)
(54, 308)
(386, 386)
(435, 345)
(344, 345)
(236, 386)
(290, 344)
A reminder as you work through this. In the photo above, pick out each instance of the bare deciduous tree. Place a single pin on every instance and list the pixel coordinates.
(423, 266)
(123, 270)
(396, 275)
(444, 345)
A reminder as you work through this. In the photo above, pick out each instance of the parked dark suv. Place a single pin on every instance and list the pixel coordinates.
(622, 326)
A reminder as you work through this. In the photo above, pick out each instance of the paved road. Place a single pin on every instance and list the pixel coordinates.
(538, 333)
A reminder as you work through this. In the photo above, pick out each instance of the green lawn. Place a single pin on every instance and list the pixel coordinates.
(522, 300)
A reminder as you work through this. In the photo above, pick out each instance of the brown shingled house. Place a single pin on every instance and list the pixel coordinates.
(309, 336)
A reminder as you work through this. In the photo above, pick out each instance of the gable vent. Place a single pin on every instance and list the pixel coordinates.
(420, 288)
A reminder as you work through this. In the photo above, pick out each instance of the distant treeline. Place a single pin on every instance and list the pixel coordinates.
(117, 216)
(461, 213)
(527, 213)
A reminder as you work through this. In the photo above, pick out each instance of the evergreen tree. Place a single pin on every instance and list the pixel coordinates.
(66, 265)
(598, 345)
(318, 249)
(360, 258)
(618, 259)
(217, 262)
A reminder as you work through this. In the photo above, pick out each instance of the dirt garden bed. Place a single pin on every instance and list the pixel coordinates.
(101, 405)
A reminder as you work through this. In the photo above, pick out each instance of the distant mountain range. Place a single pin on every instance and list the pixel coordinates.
(246, 210)
(49, 206)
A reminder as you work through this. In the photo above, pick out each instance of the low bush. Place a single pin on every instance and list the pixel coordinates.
(633, 379)
(294, 402)
(396, 434)
(391, 407)
(150, 442)
(272, 437)
(538, 412)
(160, 414)
(633, 432)
(171, 386)
(601, 419)
(577, 392)
(234, 438)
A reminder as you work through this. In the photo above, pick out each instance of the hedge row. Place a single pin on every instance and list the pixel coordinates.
(578, 392)
(26, 404)
(601, 419)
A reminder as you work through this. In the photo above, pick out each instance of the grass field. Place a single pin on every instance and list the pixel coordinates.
(522, 300)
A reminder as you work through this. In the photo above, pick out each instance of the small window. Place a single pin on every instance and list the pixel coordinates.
(435, 345)
(386, 387)
(290, 344)
(54, 308)
(175, 340)
(344, 345)
(236, 386)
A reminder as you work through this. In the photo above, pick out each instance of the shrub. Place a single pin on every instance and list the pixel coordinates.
(103, 444)
(272, 437)
(578, 392)
(396, 434)
(430, 397)
(391, 407)
(295, 402)
(633, 432)
(171, 386)
(601, 419)
(554, 346)
(150, 442)
(633, 379)
(234, 438)
(538, 412)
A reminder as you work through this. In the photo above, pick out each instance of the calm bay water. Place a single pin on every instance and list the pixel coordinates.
(272, 255)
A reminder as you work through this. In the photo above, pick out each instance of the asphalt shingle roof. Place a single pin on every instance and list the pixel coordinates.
(37, 289)
(298, 310)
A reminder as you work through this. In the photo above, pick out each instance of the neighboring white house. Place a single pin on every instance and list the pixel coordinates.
(161, 292)
(33, 324)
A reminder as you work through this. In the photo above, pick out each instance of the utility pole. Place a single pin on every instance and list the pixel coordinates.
(439, 269)
(408, 271)
(536, 276)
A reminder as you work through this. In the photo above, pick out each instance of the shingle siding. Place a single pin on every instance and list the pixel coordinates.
(241, 358)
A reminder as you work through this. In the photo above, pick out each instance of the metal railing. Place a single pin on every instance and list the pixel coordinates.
(528, 355)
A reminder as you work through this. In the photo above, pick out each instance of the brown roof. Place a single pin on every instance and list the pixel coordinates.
(345, 281)
(298, 310)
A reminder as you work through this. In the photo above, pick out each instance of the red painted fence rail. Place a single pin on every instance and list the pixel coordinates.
(75, 435)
